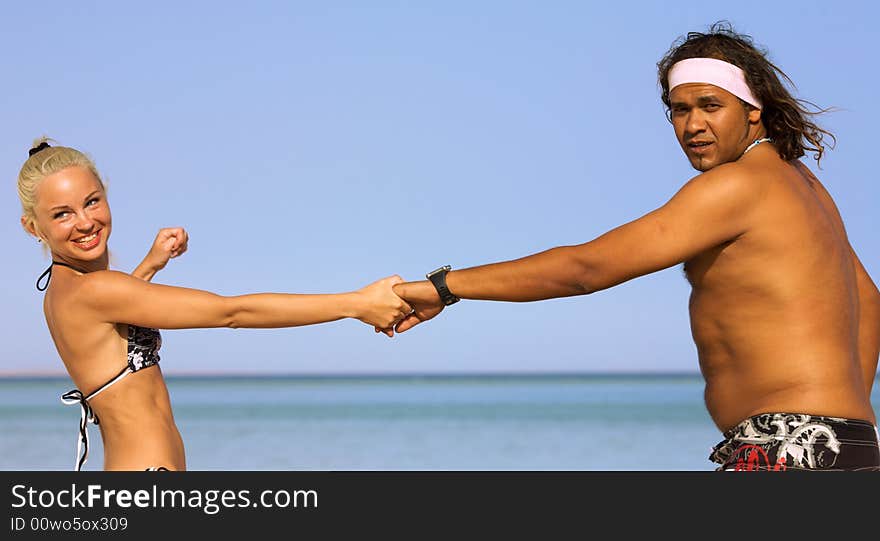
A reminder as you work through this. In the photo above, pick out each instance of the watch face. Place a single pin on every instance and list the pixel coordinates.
(435, 272)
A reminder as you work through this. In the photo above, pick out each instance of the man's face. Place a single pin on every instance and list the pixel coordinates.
(711, 124)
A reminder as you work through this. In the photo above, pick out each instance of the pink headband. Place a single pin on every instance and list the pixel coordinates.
(714, 72)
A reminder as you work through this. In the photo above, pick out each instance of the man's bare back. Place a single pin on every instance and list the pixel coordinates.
(772, 311)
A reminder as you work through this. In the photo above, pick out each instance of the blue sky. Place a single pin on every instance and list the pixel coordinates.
(316, 147)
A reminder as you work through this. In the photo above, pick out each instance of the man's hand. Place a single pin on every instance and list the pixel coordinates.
(424, 300)
(170, 242)
(379, 306)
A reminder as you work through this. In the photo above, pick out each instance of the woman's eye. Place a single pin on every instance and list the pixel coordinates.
(61, 214)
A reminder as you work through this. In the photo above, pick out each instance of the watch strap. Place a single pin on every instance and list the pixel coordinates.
(438, 278)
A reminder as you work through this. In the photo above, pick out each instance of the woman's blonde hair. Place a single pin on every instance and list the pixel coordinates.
(42, 163)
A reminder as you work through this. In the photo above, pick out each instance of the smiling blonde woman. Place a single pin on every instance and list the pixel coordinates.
(105, 324)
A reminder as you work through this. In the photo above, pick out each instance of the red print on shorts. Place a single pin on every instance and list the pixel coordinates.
(754, 458)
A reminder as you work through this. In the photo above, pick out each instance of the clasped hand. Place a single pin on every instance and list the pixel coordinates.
(423, 301)
(388, 305)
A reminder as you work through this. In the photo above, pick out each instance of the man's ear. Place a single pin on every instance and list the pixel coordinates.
(754, 116)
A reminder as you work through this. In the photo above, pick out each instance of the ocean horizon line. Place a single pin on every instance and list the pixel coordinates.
(235, 375)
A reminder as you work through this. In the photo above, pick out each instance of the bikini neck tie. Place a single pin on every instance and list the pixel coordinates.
(47, 274)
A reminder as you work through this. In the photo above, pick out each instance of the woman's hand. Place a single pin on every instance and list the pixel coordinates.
(170, 242)
(378, 305)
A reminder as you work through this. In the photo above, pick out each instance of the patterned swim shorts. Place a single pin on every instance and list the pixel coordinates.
(794, 441)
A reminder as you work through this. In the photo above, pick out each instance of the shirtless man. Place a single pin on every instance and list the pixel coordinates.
(785, 318)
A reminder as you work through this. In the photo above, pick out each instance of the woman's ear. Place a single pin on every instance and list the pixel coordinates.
(29, 226)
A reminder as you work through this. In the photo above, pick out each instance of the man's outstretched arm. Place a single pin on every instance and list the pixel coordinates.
(713, 208)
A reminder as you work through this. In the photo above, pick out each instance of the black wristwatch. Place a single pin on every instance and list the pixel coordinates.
(438, 278)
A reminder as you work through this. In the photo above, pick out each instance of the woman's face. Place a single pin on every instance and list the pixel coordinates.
(73, 216)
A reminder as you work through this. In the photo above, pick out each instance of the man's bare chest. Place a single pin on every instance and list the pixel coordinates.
(697, 268)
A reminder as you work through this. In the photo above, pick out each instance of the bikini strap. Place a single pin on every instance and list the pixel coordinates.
(87, 415)
(48, 273)
(122, 373)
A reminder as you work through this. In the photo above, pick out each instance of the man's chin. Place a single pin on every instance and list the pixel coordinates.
(702, 165)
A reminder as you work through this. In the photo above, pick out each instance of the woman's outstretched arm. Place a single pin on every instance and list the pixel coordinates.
(117, 297)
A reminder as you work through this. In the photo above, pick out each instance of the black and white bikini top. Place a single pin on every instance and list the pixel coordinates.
(143, 351)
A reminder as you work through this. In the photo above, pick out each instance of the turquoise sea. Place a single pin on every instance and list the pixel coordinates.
(492, 422)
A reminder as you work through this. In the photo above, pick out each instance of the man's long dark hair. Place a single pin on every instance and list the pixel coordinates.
(787, 119)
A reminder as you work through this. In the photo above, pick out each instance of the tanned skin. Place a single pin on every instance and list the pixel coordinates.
(783, 314)
(88, 314)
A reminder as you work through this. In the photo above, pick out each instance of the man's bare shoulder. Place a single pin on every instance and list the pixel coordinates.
(809, 177)
(736, 183)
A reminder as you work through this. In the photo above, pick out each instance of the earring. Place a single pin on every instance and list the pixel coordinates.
(39, 240)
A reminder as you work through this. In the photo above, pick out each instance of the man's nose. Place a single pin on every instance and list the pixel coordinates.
(696, 121)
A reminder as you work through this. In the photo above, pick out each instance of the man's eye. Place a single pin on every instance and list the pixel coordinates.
(712, 106)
